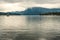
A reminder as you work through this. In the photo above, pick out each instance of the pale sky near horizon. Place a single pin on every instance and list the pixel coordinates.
(19, 5)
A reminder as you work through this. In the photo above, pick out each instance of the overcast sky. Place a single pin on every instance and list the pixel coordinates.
(19, 5)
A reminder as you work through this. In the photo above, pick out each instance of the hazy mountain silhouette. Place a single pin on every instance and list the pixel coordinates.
(34, 11)
(40, 10)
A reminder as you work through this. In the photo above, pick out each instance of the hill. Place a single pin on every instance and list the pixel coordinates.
(35, 11)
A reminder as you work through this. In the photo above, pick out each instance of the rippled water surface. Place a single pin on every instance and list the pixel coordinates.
(43, 27)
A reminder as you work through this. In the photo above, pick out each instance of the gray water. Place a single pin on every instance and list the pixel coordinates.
(46, 27)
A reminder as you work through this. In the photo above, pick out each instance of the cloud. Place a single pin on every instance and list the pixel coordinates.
(19, 5)
(23, 5)
(11, 1)
(6, 7)
(36, 1)
(47, 1)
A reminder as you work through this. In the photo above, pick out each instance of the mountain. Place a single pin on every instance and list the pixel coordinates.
(39, 10)
(34, 11)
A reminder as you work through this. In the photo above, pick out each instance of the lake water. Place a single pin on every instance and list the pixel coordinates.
(45, 27)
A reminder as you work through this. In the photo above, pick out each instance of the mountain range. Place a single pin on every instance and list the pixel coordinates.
(34, 11)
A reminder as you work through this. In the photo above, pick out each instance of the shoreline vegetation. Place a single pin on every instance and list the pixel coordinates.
(49, 13)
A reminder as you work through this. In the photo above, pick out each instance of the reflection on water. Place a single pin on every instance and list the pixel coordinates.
(29, 27)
